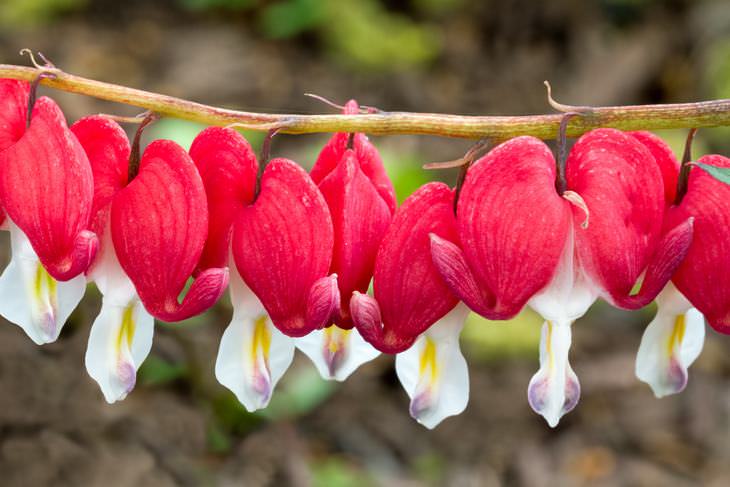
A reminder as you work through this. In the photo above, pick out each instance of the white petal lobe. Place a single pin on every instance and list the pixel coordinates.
(31, 298)
(434, 373)
(336, 353)
(253, 354)
(120, 340)
(671, 342)
(554, 390)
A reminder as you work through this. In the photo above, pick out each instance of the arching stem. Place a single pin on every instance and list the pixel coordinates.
(561, 183)
(134, 155)
(684, 169)
(264, 158)
(712, 113)
(33, 95)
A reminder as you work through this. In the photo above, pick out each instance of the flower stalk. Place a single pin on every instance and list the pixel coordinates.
(713, 113)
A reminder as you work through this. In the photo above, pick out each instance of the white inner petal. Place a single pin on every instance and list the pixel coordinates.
(121, 335)
(554, 390)
(336, 353)
(671, 342)
(570, 292)
(120, 340)
(31, 298)
(107, 273)
(433, 371)
(253, 354)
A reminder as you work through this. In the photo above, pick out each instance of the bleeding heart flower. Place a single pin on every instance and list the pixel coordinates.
(361, 201)
(412, 310)
(671, 342)
(365, 152)
(674, 338)
(121, 335)
(703, 276)
(159, 223)
(46, 191)
(253, 354)
(522, 241)
(282, 246)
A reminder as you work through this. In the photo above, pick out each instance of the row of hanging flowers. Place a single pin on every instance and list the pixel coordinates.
(299, 252)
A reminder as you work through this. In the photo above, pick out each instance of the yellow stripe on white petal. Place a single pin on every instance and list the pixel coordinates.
(120, 340)
(671, 342)
(335, 352)
(433, 371)
(554, 390)
(121, 335)
(253, 354)
(31, 298)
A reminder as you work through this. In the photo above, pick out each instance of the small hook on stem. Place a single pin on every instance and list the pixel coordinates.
(124, 119)
(363, 109)
(45, 71)
(470, 156)
(561, 107)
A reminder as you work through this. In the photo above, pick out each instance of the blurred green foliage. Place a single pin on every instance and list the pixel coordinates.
(217, 4)
(299, 392)
(404, 169)
(34, 12)
(289, 18)
(363, 34)
(337, 472)
(719, 72)
(487, 340)
(181, 131)
(360, 34)
(429, 468)
(158, 371)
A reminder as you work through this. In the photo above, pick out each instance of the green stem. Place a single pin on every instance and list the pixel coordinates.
(713, 113)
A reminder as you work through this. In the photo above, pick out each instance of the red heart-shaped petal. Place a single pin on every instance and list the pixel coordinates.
(366, 153)
(228, 168)
(282, 246)
(410, 294)
(622, 185)
(360, 218)
(159, 224)
(704, 275)
(46, 187)
(107, 148)
(664, 157)
(13, 107)
(513, 227)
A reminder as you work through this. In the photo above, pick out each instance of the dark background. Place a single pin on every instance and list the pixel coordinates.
(179, 427)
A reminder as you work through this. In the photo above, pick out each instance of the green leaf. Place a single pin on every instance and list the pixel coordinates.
(722, 174)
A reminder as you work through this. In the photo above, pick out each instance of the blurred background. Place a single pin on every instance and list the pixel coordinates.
(179, 427)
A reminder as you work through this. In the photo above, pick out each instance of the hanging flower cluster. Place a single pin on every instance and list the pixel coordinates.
(300, 252)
